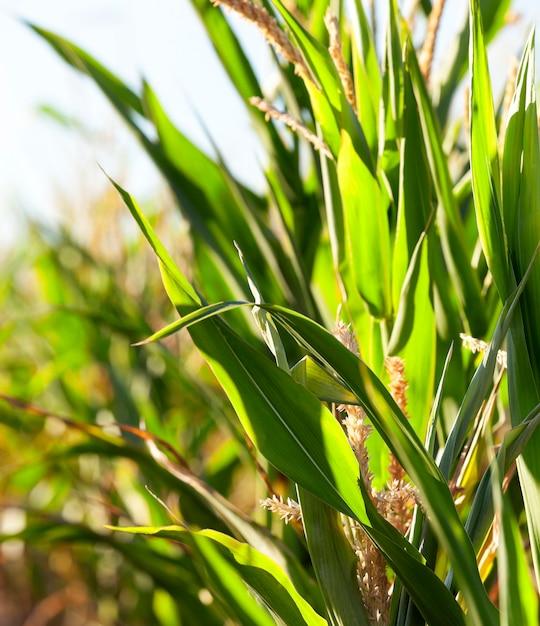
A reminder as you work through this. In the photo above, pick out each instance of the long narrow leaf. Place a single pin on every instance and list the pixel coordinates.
(465, 281)
(518, 598)
(334, 562)
(366, 223)
(485, 157)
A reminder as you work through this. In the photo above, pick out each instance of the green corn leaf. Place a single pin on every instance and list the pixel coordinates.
(404, 443)
(365, 206)
(215, 205)
(225, 557)
(518, 123)
(330, 108)
(406, 313)
(363, 37)
(394, 74)
(367, 76)
(317, 57)
(482, 380)
(264, 322)
(228, 587)
(392, 100)
(315, 12)
(301, 237)
(368, 339)
(300, 437)
(521, 210)
(486, 182)
(414, 338)
(334, 213)
(518, 597)
(192, 318)
(321, 384)
(334, 562)
(522, 193)
(463, 278)
(413, 334)
(415, 189)
(482, 510)
(167, 265)
(325, 92)
(292, 429)
(434, 416)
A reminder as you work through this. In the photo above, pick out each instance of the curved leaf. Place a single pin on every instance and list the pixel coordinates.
(265, 579)
(396, 431)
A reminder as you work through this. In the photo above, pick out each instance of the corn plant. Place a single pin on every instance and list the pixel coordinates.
(340, 312)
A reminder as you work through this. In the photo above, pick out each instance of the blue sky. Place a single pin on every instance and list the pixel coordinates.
(163, 41)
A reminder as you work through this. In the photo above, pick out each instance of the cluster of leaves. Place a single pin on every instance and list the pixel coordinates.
(368, 219)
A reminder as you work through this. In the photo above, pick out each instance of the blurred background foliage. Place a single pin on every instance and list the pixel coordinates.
(73, 302)
(76, 393)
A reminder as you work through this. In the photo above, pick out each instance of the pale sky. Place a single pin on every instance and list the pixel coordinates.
(164, 42)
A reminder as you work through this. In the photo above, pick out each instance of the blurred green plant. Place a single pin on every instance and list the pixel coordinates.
(406, 471)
